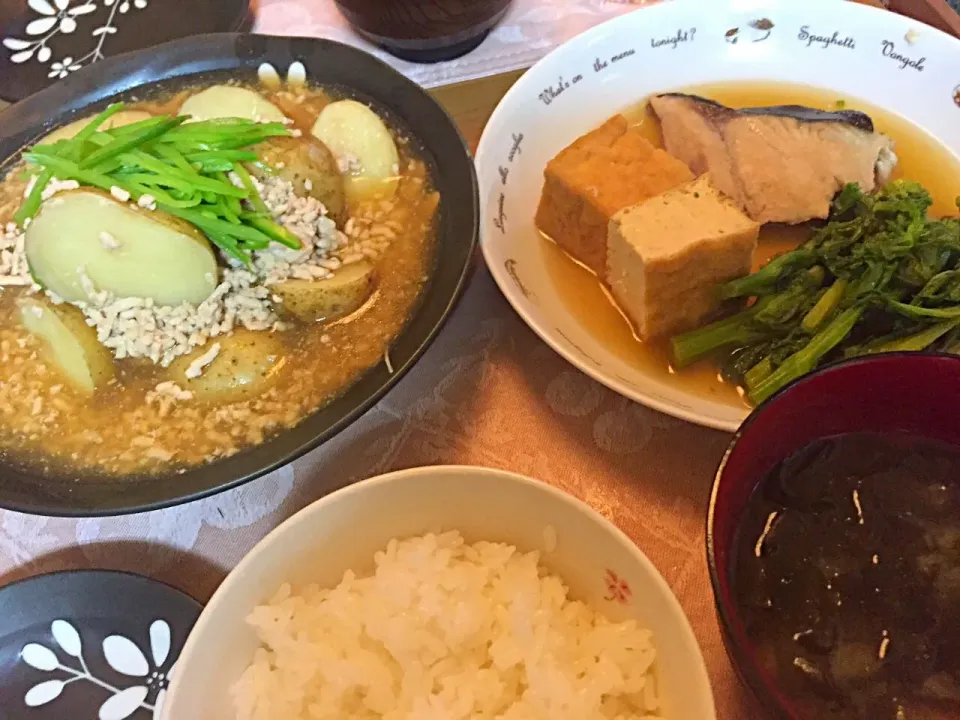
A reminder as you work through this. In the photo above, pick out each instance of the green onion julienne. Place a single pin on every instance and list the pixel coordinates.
(182, 166)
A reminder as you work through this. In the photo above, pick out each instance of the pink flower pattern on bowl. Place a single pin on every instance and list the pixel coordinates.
(618, 589)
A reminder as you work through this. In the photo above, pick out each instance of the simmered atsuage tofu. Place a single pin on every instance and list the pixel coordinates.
(667, 254)
(588, 182)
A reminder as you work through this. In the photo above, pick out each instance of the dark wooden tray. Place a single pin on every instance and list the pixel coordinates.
(937, 13)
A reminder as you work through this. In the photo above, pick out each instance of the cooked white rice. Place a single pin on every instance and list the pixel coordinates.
(444, 630)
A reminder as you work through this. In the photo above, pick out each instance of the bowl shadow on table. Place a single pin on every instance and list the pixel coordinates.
(490, 392)
(415, 424)
(125, 556)
(670, 460)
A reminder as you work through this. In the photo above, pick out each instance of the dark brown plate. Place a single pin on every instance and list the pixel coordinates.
(183, 62)
(43, 41)
(54, 632)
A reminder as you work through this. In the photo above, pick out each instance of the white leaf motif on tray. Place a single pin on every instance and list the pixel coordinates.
(57, 18)
(60, 69)
(159, 641)
(123, 704)
(121, 654)
(125, 657)
(39, 657)
(43, 693)
(67, 637)
(42, 7)
(40, 25)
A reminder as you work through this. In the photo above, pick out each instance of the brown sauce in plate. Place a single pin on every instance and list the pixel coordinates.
(921, 158)
(846, 575)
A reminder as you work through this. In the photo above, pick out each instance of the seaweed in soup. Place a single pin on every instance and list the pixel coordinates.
(847, 577)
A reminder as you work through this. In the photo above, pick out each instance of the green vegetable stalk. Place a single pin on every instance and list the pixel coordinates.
(805, 360)
(879, 276)
(183, 166)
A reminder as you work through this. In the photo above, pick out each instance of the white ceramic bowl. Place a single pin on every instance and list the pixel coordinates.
(344, 530)
(858, 51)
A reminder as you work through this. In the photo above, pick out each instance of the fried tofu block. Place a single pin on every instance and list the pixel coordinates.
(607, 169)
(667, 254)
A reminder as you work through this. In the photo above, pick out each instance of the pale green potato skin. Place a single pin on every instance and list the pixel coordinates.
(227, 101)
(69, 344)
(159, 256)
(247, 365)
(351, 129)
(298, 160)
(330, 299)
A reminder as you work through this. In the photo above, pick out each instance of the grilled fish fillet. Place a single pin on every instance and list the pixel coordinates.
(782, 163)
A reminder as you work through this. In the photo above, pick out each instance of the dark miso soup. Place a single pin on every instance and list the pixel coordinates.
(847, 577)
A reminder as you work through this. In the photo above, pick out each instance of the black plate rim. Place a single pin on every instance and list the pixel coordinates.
(66, 575)
(728, 618)
(65, 582)
(30, 116)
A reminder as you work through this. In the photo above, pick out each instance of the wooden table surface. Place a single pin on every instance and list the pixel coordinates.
(471, 103)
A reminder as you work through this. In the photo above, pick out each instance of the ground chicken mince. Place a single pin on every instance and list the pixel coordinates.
(146, 419)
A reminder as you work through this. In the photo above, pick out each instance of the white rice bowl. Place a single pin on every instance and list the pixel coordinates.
(447, 630)
(441, 593)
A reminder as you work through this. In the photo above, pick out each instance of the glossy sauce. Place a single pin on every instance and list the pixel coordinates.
(846, 576)
(921, 158)
(107, 434)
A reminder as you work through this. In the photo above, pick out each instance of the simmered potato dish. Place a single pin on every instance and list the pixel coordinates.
(181, 278)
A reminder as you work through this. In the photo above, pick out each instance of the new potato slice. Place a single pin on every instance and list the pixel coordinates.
(69, 344)
(228, 101)
(122, 248)
(309, 165)
(247, 364)
(124, 117)
(359, 137)
(330, 299)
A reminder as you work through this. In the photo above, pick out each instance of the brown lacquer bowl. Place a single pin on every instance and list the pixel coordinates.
(910, 393)
(230, 56)
(424, 30)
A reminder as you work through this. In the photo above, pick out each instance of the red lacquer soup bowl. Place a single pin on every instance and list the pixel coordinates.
(910, 393)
